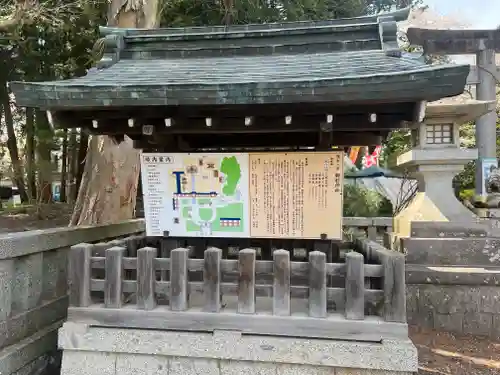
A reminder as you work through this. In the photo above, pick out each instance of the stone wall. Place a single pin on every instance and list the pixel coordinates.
(463, 300)
(107, 351)
(33, 291)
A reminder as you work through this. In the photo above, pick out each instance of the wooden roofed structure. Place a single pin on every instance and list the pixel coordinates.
(299, 84)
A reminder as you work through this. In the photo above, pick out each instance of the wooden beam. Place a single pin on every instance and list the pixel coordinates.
(333, 327)
(192, 143)
(473, 78)
(454, 42)
(241, 124)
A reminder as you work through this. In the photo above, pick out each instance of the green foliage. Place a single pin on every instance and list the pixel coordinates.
(362, 202)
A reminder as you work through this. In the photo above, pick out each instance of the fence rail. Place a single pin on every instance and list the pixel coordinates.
(133, 286)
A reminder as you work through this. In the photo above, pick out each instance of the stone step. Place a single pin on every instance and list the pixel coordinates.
(452, 251)
(432, 229)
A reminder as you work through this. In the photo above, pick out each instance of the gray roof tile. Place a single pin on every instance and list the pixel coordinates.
(337, 61)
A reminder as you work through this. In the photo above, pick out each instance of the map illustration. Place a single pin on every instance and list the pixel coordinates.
(209, 195)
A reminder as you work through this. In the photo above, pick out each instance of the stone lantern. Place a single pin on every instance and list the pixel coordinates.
(435, 159)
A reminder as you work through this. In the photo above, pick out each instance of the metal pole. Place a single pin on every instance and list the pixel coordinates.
(486, 124)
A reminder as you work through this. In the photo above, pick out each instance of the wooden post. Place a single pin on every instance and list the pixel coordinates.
(354, 286)
(371, 232)
(394, 287)
(79, 275)
(211, 279)
(166, 246)
(246, 281)
(179, 279)
(317, 284)
(113, 295)
(146, 278)
(281, 282)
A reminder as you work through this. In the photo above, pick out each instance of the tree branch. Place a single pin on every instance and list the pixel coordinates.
(20, 13)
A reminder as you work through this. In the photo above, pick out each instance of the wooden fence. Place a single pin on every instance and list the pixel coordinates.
(126, 283)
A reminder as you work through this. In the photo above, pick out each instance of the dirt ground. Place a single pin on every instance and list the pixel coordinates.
(443, 353)
(19, 219)
(440, 353)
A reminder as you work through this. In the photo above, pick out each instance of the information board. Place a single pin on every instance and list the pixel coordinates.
(259, 195)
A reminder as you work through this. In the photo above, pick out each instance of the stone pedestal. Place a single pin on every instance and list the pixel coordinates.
(436, 158)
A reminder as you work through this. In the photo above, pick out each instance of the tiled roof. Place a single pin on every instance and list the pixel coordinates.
(334, 61)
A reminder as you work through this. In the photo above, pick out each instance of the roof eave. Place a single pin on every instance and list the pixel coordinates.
(429, 85)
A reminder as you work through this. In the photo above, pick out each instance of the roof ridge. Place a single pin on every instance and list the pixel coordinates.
(399, 15)
(378, 31)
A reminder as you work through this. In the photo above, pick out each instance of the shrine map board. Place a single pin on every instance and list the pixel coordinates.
(241, 195)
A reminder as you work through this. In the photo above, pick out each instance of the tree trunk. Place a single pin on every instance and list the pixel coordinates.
(80, 161)
(72, 166)
(17, 167)
(108, 189)
(45, 166)
(30, 153)
(64, 167)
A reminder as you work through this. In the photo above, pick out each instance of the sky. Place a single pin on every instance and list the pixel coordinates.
(484, 14)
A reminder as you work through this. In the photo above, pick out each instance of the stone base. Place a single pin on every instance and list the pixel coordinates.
(106, 351)
(421, 208)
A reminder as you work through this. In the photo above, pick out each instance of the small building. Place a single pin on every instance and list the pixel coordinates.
(299, 84)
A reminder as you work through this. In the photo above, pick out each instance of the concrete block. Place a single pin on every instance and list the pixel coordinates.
(449, 322)
(27, 284)
(135, 364)
(489, 299)
(247, 368)
(495, 330)
(478, 324)
(397, 355)
(6, 280)
(447, 251)
(433, 229)
(192, 366)
(304, 370)
(55, 277)
(348, 371)
(88, 363)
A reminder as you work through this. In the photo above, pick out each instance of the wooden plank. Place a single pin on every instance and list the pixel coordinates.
(371, 232)
(167, 245)
(146, 278)
(212, 279)
(355, 287)
(246, 281)
(299, 269)
(179, 280)
(80, 275)
(394, 288)
(317, 284)
(113, 294)
(281, 282)
(334, 295)
(333, 327)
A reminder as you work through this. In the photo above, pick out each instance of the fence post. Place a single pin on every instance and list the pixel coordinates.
(113, 296)
(146, 278)
(372, 232)
(211, 279)
(281, 282)
(246, 281)
(317, 284)
(166, 246)
(394, 287)
(79, 275)
(179, 279)
(354, 286)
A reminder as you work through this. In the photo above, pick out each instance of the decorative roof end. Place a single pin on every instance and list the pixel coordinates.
(388, 31)
(112, 44)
